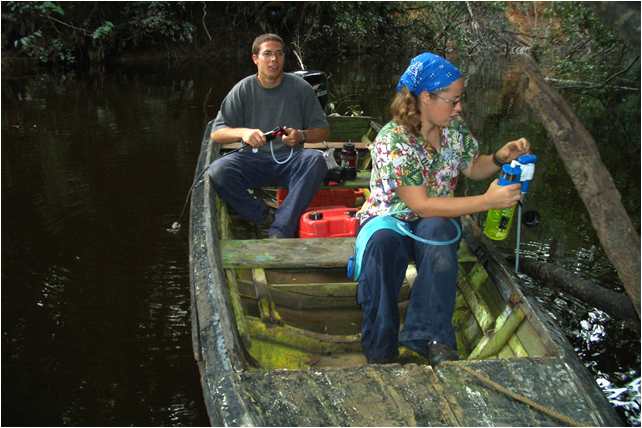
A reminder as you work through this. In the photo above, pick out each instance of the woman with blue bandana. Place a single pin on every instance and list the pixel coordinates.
(416, 160)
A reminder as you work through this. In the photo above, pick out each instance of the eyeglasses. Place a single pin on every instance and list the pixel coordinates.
(452, 101)
(272, 54)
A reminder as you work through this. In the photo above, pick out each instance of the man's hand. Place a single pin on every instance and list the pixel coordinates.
(293, 137)
(254, 138)
(512, 150)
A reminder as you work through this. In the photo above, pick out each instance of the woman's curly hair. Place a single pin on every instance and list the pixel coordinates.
(405, 111)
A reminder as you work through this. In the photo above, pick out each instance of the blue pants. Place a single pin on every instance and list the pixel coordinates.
(234, 174)
(432, 300)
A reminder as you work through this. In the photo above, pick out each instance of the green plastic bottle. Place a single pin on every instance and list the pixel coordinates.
(499, 221)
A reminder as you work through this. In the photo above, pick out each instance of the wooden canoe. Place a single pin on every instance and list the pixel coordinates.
(275, 329)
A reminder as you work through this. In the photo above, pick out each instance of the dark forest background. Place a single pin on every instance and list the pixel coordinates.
(589, 50)
(575, 41)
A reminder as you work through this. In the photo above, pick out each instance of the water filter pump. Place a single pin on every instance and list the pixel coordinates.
(521, 170)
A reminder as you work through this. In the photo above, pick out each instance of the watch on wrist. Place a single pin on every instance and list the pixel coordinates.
(304, 136)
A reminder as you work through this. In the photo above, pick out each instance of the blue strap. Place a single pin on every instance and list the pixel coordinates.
(391, 223)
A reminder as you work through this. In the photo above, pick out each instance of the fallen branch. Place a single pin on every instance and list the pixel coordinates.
(617, 305)
(619, 73)
(73, 27)
(579, 84)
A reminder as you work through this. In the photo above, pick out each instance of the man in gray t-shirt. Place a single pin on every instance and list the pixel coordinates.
(254, 106)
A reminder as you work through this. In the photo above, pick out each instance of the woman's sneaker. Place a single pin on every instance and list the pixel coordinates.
(438, 353)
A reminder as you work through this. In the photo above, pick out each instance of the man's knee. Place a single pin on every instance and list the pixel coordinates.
(220, 173)
(315, 161)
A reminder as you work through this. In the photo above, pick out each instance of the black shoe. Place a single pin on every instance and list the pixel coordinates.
(438, 353)
(418, 346)
(387, 360)
(276, 235)
(269, 218)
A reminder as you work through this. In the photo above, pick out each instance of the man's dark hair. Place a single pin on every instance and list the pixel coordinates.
(265, 38)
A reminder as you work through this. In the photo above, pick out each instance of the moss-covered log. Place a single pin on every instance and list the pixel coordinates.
(615, 304)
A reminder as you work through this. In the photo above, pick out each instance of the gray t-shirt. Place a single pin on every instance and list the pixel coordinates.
(292, 104)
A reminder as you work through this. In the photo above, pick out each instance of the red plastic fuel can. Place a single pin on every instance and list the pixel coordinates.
(329, 222)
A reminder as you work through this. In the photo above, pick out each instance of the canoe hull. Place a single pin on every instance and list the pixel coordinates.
(237, 392)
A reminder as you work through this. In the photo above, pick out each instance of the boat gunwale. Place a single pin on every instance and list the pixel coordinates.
(219, 371)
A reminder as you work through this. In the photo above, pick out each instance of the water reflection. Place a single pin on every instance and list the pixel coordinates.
(607, 347)
(97, 328)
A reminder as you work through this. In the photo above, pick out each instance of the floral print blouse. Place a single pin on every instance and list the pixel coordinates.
(400, 158)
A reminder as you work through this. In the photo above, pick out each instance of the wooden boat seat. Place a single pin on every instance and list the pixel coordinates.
(287, 253)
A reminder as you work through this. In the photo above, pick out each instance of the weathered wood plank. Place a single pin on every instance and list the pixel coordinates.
(531, 340)
(547, 381)
(237, 307)
(318, 146)
(314, 296)
(267, 308)
(370, 395)
(506, 352)
(287, 253)
(517, 347)
(415, 395)
(301, 301)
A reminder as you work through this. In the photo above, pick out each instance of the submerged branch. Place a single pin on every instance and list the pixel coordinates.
(618, 305)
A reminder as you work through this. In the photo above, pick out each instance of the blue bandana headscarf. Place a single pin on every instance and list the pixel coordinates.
(428, 72)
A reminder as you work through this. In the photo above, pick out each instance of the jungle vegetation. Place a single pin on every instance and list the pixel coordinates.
(576, 40)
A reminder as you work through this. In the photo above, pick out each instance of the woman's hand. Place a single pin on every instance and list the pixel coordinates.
(502, 196)
(512, 150)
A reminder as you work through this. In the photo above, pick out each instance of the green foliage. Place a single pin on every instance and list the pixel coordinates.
(154, 22)
(36, 8)
(36, 46)
(50, 7)
(67, 32)
(581, 39)
(104, 31)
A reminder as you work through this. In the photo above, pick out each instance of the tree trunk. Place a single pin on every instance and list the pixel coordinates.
(615, 304)
(592, 180)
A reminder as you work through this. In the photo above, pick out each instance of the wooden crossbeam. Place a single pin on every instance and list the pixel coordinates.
(319, 146)
(287, 253)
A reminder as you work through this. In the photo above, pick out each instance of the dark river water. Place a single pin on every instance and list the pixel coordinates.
(95, 291)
